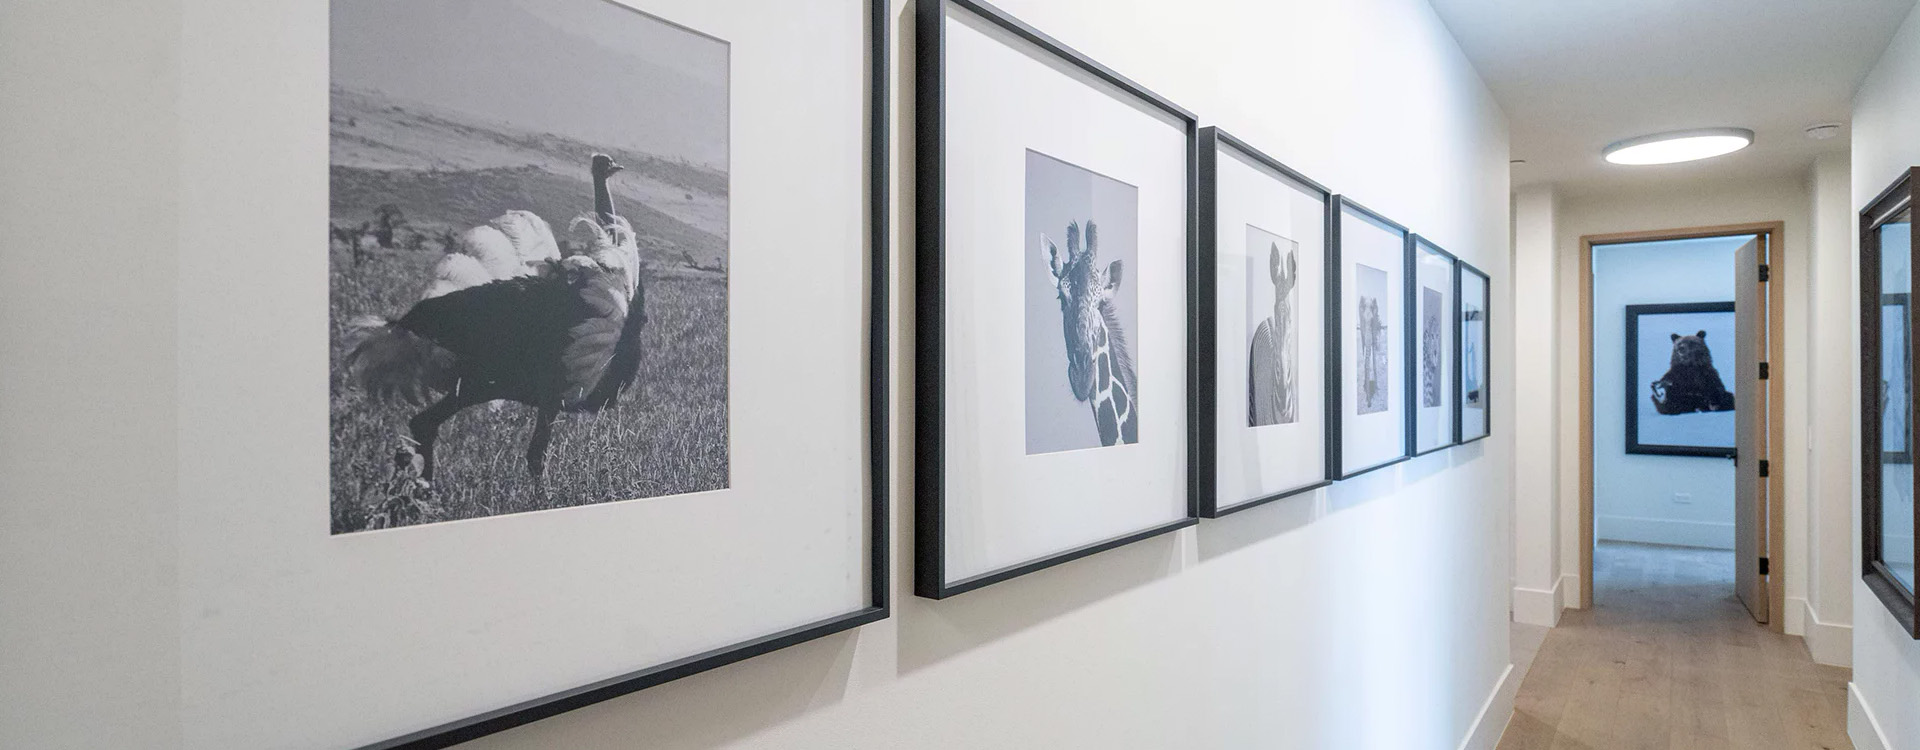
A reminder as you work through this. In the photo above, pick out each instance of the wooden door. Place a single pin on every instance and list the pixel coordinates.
(1750, 427)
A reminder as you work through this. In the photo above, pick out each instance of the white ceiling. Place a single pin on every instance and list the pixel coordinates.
(1576, 75)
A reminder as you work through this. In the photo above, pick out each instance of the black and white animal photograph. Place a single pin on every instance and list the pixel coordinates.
(1473, 336)
(1273, 353)
(1372, 379)
(1082, 388)
(1430, 320)
(528, 259)
(1677, 354)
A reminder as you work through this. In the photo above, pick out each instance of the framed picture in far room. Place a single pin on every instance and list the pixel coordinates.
(1473, 402)
(1054, 349)
(1260, 430)
(1373, 256)
(1896, 366)
(1431, 289)
(1679, 379)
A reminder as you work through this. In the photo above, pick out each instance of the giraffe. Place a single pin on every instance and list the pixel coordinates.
(1273, 358)
(1099, 367)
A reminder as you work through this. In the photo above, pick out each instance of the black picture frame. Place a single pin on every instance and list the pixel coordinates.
(930, 293)
(1416, 244)
(1336, 384)
(1462, 268)
(1902, 303)
(1894, 203)
(879, 582)
(1634, 382)
(1203, 448)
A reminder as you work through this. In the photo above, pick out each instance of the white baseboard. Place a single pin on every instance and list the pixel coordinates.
(1537, 606)
(1862, 727)
(1664, 531)
(1830, 643)
(1494, 714)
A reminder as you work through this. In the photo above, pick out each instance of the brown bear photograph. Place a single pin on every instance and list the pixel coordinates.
(1678, 402)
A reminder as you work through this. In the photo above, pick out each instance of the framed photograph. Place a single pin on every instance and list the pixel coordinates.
(1888, 516)
(560, 403)
(1261, 426)
(1896, 366)
(1371, 365)
(1055, 318)
(1431, 289)
(1471, 344)
(1678, 404)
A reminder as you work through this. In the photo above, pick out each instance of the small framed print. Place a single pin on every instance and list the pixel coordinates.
(1678, 404)
(1055, 318)
(1474, 404)
(1373, 256)
(1261, 426)
(1431, 289)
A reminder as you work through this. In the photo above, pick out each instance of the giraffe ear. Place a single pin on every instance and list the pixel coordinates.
(1113, 276)
(1053, 255)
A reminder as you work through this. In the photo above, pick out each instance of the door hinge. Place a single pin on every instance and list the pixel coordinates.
(1763, 566)
(1766, 275)
(1764, 468)
(1764, 371)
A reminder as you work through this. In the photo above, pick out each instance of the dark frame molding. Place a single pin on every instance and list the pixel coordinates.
(1418, 244)
(1461, 269)
(1895, 595)
(1202, 449)
(1632, 407)
(879, 578)
(930, 288)
(1336, 416)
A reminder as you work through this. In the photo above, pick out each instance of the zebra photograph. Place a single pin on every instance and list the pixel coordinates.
(1372, 382)
(528, 258)
(1081, 303)
(1273, 354)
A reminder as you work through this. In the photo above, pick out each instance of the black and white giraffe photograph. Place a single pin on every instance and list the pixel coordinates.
(529, 258)
(1430, 321)
(1082, 232)
(1372, 379)
(1273, 353)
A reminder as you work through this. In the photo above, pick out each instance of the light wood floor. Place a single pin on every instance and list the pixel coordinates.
(1668, 659)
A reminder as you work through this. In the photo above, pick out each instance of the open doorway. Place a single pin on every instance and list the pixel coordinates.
(1676, 410)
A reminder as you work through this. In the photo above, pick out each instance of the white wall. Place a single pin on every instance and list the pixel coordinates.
(1833, 345)
(1885, 695)
(1636, 498)
(1706, 204)
(1539, 592)
(1285, 626)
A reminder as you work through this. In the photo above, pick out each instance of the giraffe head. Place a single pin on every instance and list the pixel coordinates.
(1084, 288)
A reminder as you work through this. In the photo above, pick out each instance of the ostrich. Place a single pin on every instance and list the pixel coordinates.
(566, 339)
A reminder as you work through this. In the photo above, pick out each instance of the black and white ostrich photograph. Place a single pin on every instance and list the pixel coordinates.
(529, 259)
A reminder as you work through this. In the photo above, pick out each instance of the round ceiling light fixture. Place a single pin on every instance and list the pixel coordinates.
(1823, 131)
(1678, 146)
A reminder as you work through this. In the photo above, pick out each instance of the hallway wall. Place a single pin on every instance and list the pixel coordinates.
(1885, 705)
(1300, 624)
(1635, 497)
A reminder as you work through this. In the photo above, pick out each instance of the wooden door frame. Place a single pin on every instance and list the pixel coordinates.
(1773, 232)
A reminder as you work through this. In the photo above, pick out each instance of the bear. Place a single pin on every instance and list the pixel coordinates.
(1691, 384)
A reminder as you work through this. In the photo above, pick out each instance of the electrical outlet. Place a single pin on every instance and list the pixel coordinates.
(1683, 498)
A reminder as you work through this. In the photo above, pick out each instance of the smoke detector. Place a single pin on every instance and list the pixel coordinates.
(1823, 131)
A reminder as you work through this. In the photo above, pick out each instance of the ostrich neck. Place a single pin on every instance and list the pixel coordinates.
(602, 200)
